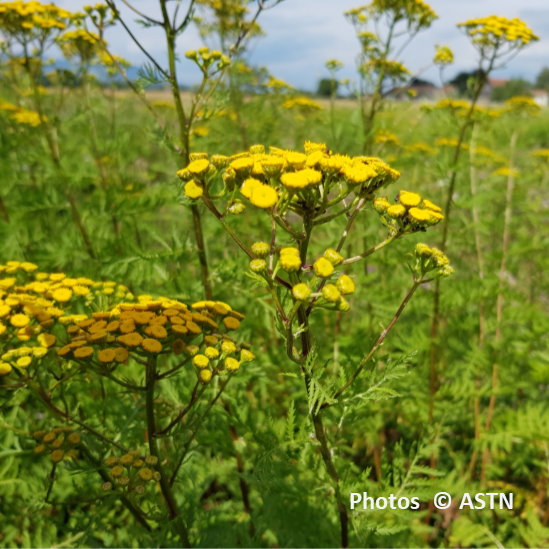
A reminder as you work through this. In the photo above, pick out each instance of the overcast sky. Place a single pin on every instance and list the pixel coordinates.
(300, 35)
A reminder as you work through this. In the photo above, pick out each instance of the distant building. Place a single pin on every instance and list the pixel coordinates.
(541, 97)
(417, 89)
(491, 85)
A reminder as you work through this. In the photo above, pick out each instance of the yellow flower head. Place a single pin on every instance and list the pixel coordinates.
(396, 211)
(193, 190)
(296, 160)
(330, 293)
(301, 292)
(261, 249)
(290, 263)
(323, 268)
(333, 257)
(106, 356)
(199, 167)
(151, 345)
(295, 180)
(20, 320)
(409, 200)
(62, 295)
(428, 205)
(420, 217)
(272, 165)
(242, 166)
(231, 323)
(232, 364)
(249, 186)
(211, 352)
(345, 285)
(205, 376)
(246, 356)
(201, 361)
(264, 196)
(228, 347)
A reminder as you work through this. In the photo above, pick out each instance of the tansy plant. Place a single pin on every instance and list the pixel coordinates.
(301, 192)
(212, 64)
(60, 334)
(378, 66)
(497, 40)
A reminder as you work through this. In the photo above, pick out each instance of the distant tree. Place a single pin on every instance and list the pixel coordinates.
(420, 82)
(542, 81)
(325, 87)
(461, 81)
(512, 88)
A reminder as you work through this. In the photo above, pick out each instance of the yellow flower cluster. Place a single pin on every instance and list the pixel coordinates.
(132, 471)
(24, 17)
(78, 42)
(385, 137)
(506, 172)
(522, 105)
(391, 69)
(301, 103)
(417, 13)
(443, 56)
(410, 211)
(281, 177)
(543, 153)
(427, 260)
(29, 309)
(153, 327)
(60, 443)
(204, 58)
(21, 115)
(493, 31)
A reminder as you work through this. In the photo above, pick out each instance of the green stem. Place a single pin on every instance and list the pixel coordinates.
(153, 448)
(379, 341)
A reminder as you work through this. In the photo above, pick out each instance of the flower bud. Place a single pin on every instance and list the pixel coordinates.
(323, 268)
(330, 293)
(236, 207)
(232, 364)
(301, 292)
(246, 356)
(345, 285)
(261, 249)
(192, 54)
(258, 265)
(220, 161)
(343, 305)
(257, 149)
(333, 257)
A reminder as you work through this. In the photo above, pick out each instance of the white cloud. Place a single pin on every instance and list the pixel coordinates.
(302, 34)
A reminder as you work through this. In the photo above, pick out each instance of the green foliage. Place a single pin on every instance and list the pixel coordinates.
(512, 88)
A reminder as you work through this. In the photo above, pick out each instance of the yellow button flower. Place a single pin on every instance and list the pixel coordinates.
(246, 356)
(212, 353)
(20, 320)
(264, 197)
(428, 205)
(232, 364)
(249, 186)
(345, 285)
(228, 347)
(205, 376)
(192, 190)
(201, 361)
(5, 368)
(396, 211)
(419, 217)
(409, 200)
(261, 249)
(231, 323)
(330, 293)
(333, 257)
(301, 292)
(106, 356)
(323, 268)
(199, 167)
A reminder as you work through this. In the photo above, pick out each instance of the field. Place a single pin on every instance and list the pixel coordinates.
(377, 369)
